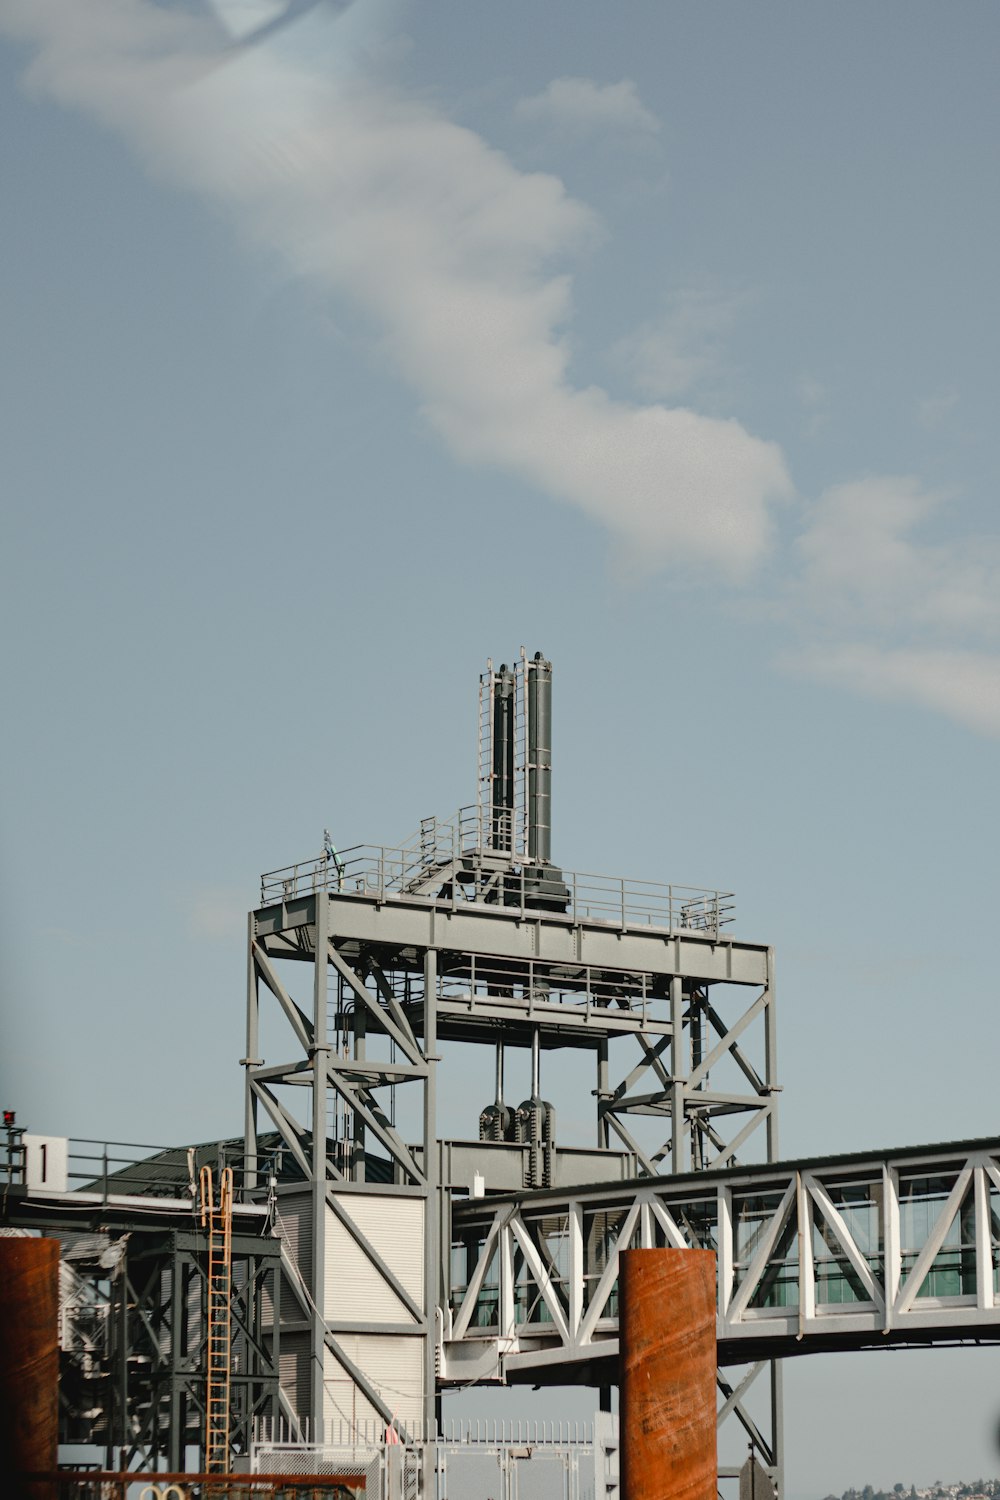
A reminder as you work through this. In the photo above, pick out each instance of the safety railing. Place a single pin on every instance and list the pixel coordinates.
(470, 1457)
(126, 1167)
(117, 1169)
(538, 984)
(447, 870)
(365, 1433)
(13, 1159)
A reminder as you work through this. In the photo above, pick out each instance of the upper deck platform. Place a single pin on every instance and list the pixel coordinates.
(444, 889)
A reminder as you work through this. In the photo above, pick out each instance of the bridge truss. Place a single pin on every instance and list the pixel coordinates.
(852, 1252)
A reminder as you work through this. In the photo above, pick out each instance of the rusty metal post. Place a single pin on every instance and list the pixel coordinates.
(29, 1369)
(668, 1365)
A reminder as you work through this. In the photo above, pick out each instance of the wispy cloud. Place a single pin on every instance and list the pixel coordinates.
(862, 563)
(582, 106)
(962, 685)
(461, 262)
(883, 610)
(458, 257)
(677, 352)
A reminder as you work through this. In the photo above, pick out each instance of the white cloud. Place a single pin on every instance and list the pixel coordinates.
(860, 564)
(583, 106)
(453, 252)
(671, 355)
(962, 685)
(892, 615)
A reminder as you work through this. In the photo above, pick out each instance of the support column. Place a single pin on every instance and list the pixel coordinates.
(251, 1060)
(771, 1079)
(29, 1371)
(320, 1059)
(667, 1381)
(431, 1167)
(603, 1093)
(771, 1059)
(432, 1224)
(178, 1352)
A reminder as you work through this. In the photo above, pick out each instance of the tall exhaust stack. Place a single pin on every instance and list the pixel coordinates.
(515, 779)
(540, 760)
(503, 759)
(543, 884)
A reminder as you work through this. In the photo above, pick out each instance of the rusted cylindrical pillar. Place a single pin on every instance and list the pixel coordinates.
(668, 1370)
(29, 1368)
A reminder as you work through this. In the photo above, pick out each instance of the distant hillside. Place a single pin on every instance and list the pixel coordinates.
(973, 1489)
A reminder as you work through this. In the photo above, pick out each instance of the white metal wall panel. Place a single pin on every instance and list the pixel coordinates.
(293, 1370)
(267, 1301)
(394, 1367)
(356, 1290)
(295, 1227)
(394, 1226)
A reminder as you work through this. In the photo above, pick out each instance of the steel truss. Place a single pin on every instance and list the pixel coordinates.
(680, 1023)
(158, 1347)
(358, 1188)
(133, 1324)
(853, 1252)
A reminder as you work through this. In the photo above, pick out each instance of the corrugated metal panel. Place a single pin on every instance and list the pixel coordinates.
(267, 1299)
(355, 1289)
(395, 1227)
(295, 1224)
(239, 1339)
(293, 1370)
(393, 1366)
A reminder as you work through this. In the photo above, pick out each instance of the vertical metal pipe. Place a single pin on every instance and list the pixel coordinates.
(502, 808)
(677, 1162)
(29, 1370)
(539, 695)
(358, 1145)
(249, 1062)
(668, 1367)
(499, 1098)
(536, 1064)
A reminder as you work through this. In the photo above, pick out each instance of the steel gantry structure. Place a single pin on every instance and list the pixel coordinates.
(378, 1264)
(468, 933)
(135, 1304)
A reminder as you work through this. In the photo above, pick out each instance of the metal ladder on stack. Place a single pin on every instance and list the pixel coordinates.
(217, 1218)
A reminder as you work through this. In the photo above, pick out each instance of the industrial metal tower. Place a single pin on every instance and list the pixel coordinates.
(363, 963)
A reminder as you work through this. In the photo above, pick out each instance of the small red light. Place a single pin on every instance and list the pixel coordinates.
(8, 1117)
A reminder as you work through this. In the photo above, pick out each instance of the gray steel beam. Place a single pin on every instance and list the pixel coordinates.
(319, 1051)
(548, 937)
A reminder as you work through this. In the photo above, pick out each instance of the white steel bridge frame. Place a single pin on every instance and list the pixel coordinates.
(861, 1251)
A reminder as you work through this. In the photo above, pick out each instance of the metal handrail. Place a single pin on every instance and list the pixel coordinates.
(460, 872)
(149, 1175)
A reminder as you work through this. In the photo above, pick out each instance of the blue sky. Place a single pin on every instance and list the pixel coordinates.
(659, 337)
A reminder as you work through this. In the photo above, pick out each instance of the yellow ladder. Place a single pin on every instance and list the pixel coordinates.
(218, 1220)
